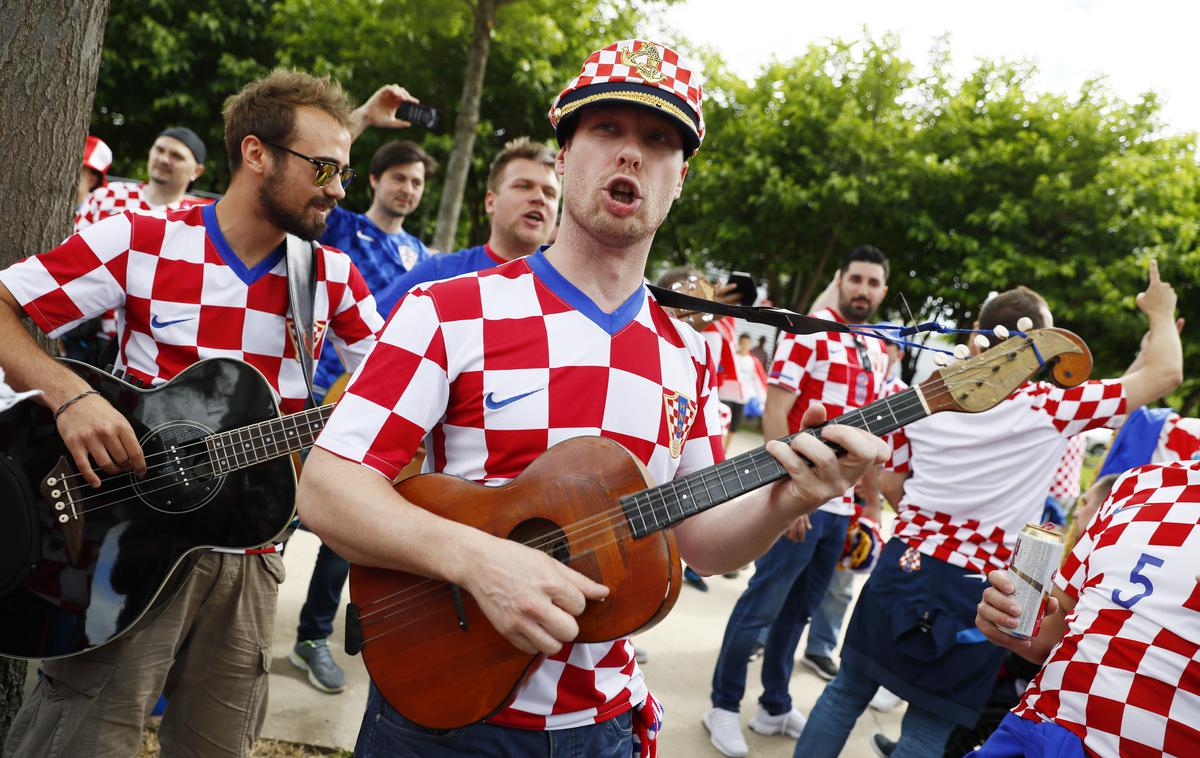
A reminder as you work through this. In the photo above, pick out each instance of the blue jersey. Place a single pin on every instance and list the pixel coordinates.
(380, 258)
(435, 269)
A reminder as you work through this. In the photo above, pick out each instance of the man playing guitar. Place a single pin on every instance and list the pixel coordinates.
(200, 283)
(491, 369)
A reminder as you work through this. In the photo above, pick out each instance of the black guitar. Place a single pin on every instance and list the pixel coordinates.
(80, 566)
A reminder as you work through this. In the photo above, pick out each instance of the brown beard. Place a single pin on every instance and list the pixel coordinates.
(285, 218)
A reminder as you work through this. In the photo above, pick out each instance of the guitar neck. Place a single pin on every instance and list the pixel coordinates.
(667, 504)
(266, 440)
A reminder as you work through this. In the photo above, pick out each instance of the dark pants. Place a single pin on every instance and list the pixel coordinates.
(789, 582)
(324, 596)
(387, 734)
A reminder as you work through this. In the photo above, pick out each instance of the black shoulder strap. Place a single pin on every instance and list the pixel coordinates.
(777, 317)
(302, 287)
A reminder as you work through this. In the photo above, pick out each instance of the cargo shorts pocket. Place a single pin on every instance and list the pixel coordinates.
(75, 677)
(273, 562)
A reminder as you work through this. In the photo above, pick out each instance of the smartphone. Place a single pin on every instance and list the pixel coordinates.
(745, 287)
(422, 115)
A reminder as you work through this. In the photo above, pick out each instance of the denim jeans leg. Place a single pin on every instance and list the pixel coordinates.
(828, 536)
(774, 575)
(826, 624)
(922, 733)
(833, 717)
(324, 595)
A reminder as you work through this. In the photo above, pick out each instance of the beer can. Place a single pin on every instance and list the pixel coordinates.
(1035, 560)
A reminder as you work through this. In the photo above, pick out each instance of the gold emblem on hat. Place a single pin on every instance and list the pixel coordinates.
(646, 60)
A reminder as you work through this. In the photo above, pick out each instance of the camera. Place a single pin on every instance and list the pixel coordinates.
(422, 115)
(746, 287)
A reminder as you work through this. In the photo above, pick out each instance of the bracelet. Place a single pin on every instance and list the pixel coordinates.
(72, 401)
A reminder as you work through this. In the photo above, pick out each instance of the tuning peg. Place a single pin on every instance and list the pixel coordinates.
(1024, 324)
(941, 359)
(962, 352)
(981, 342)
(1001, 332)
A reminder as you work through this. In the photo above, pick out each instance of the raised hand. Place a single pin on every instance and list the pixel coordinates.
(1159, 297)
(380, 109)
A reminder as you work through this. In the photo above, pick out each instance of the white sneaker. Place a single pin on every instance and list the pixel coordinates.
(884, 700)
(725, 731)
(789, 724)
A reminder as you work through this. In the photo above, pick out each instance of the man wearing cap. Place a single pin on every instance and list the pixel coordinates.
(97, 157)
(493, 368)
(176, 160)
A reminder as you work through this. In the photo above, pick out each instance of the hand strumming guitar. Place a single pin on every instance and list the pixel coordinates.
(92, 427)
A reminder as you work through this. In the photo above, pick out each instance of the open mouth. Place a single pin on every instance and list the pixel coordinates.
(623, 192)
(535, 217)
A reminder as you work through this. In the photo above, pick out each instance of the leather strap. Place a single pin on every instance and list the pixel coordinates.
(302, 288)
(777, 317)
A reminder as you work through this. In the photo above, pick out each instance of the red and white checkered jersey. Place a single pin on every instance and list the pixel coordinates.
(1065, 486)
(1126, 676)
(978, 478)
(839, 370)
(118, 197)
(492, 369)
(1179, 439)
(182, 295)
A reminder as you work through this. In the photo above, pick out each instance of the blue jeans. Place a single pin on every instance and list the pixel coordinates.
(324, 595)
(923, 733)
(387, 734)
(826, 624)
(788, 581)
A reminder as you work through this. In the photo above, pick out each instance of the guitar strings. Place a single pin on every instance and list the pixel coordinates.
(902, 403)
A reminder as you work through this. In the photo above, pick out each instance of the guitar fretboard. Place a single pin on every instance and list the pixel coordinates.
(667, 504)
(266, 440)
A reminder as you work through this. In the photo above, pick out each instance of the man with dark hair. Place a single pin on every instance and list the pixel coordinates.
(522, 199)
(376, 240)
(840, 371)
(197, 283)
(495, 367)
(965, 485)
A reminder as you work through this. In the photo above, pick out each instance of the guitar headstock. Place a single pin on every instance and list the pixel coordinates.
(980, 383)
(695, 286)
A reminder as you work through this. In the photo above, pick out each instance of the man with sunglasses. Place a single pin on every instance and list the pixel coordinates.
(198, 283)
(839, 371)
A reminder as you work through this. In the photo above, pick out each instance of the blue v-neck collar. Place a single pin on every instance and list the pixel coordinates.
(612, 323)
(247, 275)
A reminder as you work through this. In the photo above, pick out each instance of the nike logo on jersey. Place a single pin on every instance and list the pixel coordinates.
(492, 404)
(154, 322)
(362, 236)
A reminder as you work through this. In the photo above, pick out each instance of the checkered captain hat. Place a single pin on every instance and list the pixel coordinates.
(636, 72)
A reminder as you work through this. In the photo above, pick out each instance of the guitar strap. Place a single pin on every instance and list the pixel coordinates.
(781, 318)
(302, 288)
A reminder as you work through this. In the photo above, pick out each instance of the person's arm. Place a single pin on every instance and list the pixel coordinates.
(891, 483)
(997, 607)
(868, 488)
(89, 426)
(380, 110)
(1161, 368)
(734, 533)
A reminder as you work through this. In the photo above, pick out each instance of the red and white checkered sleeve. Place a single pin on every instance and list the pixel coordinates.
(901, 452)
(355, 320)
(705, 441)
(794, 355)
(1072, 576)
(397, 394)
(1179, 441)
(1091, 405)
(89, 212)
(80, 279)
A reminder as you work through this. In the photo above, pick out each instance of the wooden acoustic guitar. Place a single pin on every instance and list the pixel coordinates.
(590, 504)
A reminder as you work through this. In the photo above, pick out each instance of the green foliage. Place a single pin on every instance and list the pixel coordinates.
(970, 188)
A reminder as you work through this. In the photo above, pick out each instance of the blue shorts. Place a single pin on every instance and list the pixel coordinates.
(1017, 737)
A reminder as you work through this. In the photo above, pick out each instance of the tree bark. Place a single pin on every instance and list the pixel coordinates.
(464, 127)
(49, 61)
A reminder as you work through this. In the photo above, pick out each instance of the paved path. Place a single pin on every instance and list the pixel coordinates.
(683, 650)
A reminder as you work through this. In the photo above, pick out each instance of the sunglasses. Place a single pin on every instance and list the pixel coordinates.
(326, 170)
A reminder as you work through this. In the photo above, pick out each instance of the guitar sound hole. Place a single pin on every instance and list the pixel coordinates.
(544, 535)
(179, 476)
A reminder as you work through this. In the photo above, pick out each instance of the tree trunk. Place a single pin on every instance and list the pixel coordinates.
(49, 61)
(464, 127)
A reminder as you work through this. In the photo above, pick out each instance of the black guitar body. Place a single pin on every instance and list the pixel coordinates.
(79, 566)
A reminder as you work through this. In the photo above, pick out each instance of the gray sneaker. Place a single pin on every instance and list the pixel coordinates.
(314, 657)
